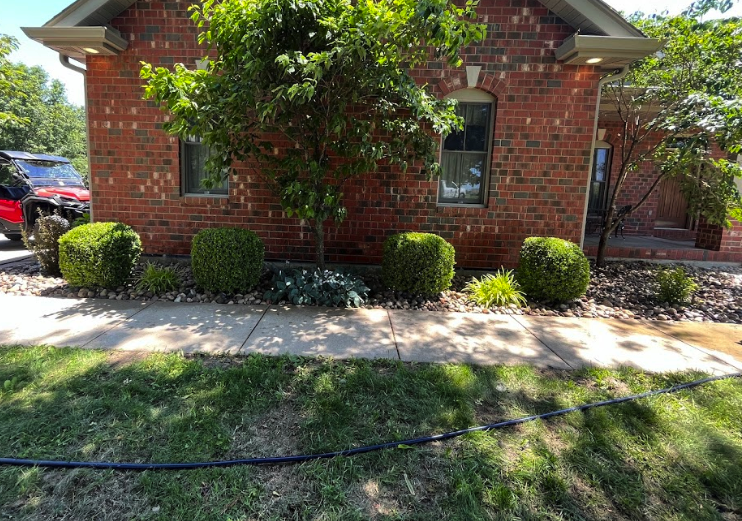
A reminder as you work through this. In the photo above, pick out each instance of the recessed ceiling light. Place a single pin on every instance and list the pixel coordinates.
(96, 51)
(592, 61)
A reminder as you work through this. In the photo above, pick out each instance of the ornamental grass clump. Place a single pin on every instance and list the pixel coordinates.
(227, 260)
(158, 279)
(500, 289)
(418, 263)
(674, 286)
(553, 270)
(99, 254)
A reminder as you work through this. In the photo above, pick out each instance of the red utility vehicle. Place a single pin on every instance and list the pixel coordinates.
(33, 182)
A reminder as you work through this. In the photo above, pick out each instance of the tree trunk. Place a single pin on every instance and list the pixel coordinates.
(319, 237)
(604, 236)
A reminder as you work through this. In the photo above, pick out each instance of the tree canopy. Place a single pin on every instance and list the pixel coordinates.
(7, 45)
(44, 121)
(690, 95)
(35, 115)
(316, 92)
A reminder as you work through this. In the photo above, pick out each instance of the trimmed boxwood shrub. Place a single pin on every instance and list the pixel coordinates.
(418, 263)
(228, 260)
(552, 269)
(99, 254)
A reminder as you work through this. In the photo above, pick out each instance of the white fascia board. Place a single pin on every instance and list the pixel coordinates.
(77, 37)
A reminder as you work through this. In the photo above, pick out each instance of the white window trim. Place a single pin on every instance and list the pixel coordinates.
(472, 95)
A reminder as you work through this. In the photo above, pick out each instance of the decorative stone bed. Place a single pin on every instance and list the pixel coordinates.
(623, 290)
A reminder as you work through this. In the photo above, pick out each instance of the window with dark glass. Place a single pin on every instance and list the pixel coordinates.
(465, 156)
(599, 180)
(193, 156)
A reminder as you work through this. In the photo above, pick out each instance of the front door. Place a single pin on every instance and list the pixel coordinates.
(672, 208)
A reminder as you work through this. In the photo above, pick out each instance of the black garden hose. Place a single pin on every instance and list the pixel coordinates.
(349, 452)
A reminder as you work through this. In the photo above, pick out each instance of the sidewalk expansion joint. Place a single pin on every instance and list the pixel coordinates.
(524, 326)
(253, 329)
(394, 335)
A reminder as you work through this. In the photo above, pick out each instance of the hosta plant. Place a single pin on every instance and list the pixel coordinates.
(318, 287)
(500, 289)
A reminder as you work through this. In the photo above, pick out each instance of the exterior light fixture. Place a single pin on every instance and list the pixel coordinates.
(90, 50)
(593, 61)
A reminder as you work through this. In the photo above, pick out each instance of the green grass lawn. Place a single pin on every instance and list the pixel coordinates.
(669, 457)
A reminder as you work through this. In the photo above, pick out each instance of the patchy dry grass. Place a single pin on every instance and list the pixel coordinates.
(671, 457)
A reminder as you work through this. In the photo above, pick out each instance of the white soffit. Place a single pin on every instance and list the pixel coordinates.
(89, 12)
(592, 17)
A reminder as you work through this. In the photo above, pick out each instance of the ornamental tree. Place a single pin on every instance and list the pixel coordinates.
(691, 94)
(315, 92)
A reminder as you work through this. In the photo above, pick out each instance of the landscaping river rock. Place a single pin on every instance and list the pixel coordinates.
(623, 290)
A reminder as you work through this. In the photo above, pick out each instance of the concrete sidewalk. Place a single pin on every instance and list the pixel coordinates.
(370, 333)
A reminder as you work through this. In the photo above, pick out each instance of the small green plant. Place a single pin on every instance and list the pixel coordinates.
(83, 219)
(158, 279)
(552, 269)
(10, 385)
(48, 229)
(324, 288)
(228, 260)
(674, 286)
(418, 263)
(500, 289)
(99, 254)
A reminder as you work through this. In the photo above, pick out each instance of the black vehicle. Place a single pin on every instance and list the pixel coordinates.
(36, 184)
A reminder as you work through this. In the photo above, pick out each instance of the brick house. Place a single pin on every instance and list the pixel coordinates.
(529, 94)
(663, 216)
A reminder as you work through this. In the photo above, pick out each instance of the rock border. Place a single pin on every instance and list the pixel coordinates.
(621, 290)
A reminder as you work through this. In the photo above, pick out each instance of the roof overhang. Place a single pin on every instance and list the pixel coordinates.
(82, 29)
(592, 17)
(606, 52)
(78, 42)
(625, 97)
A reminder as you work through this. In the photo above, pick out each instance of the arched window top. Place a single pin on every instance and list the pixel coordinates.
(471, 96)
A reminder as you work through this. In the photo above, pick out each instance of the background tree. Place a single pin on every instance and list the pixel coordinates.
(689, 94)
(44, 121)
(316, 92)
(8, 44)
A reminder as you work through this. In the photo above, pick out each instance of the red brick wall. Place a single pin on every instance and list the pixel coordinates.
(539, 165)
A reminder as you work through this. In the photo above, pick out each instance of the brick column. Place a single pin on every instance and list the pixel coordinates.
(709, 235)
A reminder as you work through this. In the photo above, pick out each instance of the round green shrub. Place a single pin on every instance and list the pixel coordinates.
(228, 260)
(99, 254)
(552, 269)
(418, 263)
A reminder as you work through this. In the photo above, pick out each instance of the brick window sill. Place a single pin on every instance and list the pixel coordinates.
(204, 199)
